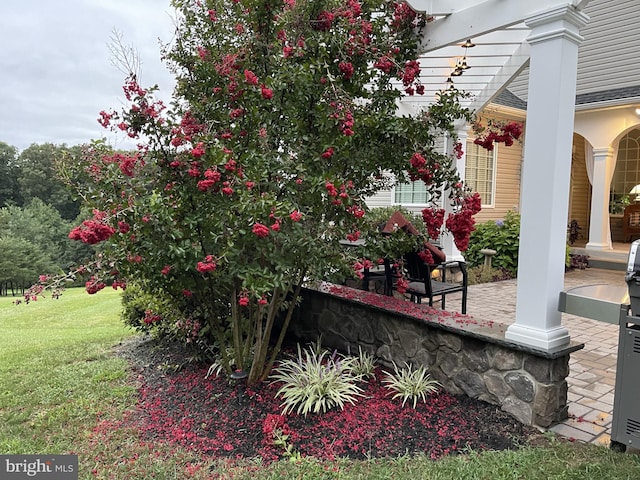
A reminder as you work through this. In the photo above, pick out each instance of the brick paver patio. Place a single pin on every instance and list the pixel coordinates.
(593, 369)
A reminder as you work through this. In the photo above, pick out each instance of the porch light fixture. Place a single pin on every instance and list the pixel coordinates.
(462, 64)
(635, 191)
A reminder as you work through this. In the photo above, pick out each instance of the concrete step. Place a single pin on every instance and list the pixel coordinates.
(607, 260)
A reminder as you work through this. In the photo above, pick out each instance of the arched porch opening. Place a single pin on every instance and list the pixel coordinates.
(626, 177)
(579, 190)
(599, 133)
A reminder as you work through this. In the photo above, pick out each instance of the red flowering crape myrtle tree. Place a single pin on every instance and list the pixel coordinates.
(284, 119)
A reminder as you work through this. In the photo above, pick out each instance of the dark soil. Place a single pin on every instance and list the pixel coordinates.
(220, 418)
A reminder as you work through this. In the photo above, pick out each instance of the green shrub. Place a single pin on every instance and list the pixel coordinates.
(152, 313)
(136, 305)
(503, 236)
(392, 245)
(481, 274)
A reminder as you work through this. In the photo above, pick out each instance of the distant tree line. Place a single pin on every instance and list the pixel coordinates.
(37, 211)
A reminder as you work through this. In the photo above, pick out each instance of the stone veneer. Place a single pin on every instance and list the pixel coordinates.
(466, 355)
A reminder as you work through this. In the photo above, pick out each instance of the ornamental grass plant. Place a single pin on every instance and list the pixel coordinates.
(316, 381)
(411, 383)
(364, 365)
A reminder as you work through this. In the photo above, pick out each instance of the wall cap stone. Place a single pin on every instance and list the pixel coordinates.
(460, 324)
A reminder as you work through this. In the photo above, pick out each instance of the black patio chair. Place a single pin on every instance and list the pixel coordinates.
(381, 277)
(422, 285)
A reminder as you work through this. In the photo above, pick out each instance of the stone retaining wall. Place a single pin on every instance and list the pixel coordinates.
(465, 355)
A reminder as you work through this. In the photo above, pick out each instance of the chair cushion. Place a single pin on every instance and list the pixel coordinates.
(438, 288)
(444, 287)
(417, 288)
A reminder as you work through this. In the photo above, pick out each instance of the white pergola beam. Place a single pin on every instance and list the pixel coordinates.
(453, 51)
(444, 7)
(511, 69)
(441, 7)
(475, 20)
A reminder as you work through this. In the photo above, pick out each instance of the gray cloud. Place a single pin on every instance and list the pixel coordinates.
(55, 67)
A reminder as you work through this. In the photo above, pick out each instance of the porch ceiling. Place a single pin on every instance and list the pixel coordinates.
(497, 29)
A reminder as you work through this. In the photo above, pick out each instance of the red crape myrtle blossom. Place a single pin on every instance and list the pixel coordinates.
(266, 93)
(93, 231)
(143, 113)
(433, 219)
(461, 223)
(458, 150)
(150, 317)
(208, 265)
(93, 285)
(263, 163)
(126, 163)
(496, 132)
(260, 230)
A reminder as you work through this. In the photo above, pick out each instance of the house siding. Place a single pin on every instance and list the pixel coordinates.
(383, 198)
(508, 180)
(607, 57)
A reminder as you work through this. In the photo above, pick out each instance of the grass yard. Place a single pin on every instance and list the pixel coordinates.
(57, 370)
(63, 391)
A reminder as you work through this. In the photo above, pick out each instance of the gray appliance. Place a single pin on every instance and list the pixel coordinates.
(625, 429)
(618, 305)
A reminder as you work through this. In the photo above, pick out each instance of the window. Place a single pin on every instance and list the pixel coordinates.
(480, 172)
(627, 173)
(413, 192)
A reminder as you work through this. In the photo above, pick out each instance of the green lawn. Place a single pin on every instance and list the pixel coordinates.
(63, 391)
(57, 369)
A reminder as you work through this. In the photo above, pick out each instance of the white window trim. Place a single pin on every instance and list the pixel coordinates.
(409, 206)
(494, 152)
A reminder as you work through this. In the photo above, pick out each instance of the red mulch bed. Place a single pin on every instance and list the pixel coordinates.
(220, 419)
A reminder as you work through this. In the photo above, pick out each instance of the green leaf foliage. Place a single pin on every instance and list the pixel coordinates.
(284, 119)
(503, 236)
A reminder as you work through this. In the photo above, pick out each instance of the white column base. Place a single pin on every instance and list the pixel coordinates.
(546, 340)
(599, 246)
(456, 258)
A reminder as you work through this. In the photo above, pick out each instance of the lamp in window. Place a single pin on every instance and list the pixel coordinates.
(635, 191)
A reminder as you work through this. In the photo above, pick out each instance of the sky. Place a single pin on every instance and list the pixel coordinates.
(56, 69)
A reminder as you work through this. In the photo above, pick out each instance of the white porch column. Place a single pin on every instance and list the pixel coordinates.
(599, 228)
(448, 245)
(554, 44)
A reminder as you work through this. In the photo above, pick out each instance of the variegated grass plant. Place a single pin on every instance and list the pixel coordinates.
(364, 365)
(316, 381)
(411, 383)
